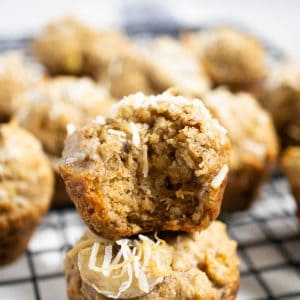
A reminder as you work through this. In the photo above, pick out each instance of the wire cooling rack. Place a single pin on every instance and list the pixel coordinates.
(268, 234)
(269, 250)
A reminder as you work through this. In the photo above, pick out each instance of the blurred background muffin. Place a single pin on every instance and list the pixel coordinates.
(290, 166)
(253, 144)
(16, 75)
(57, 106)
(229, 56)
(61, 45)
(26, 185)
(281, 97)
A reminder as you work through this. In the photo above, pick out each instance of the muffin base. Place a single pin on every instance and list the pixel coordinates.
(15, 235)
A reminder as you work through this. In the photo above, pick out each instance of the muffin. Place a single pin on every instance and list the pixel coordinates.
(61, 45)
(16, 75)
(159, 164)
(290, 166)
(104, 51)
(128, 74)
(253, 142)
(26, 185)
(154, 67)
(229, 56)
(170, 65)
(56, 106)
(281, 97)
(199, 265)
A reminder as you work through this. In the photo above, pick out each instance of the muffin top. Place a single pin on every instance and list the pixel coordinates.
(16, 75)
(281, 97)
(170, 65)
(26, 179)
(250, 128)
(229, 56)
(61, 44)
(201, 265)
(56, 103)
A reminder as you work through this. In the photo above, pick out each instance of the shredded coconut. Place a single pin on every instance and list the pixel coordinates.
(132, 259)
(70, 129)
(101, 120)
(135, 134)
(139, 100)
(120, 134)
(145, 161)
(219, 178)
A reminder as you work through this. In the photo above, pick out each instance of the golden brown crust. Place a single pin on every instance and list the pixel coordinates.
(205, 266)
(185, 152)
(290, 166)
(25, 189)
(60, 196)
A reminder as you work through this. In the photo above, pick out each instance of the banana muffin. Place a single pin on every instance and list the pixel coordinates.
(200, 265)
(290, 166)
(61, 45)
(159, 164)
(281, 97)
(253, 143)
(104, 51)
(128, 74)
(57, 106)
(26, 185)
(154, 67)
(16, 75)
(229, 56)
(170, 65)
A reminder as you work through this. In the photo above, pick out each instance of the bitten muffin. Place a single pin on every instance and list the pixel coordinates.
(159, 164)
(229, 56)
(253, 142)
(16, 75)
(61, 45)
(155, 67)
(290, 166)
(26, 185)
(201, 265)
(56, 106)
(281, 97)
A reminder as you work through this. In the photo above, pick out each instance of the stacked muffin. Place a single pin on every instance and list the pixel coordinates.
(149, 183)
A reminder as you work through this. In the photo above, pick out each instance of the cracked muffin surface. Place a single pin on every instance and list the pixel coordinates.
(290, 166)
(253, 143)
(26, 184)
(199, 265)
(159, 164)
(57, 106)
